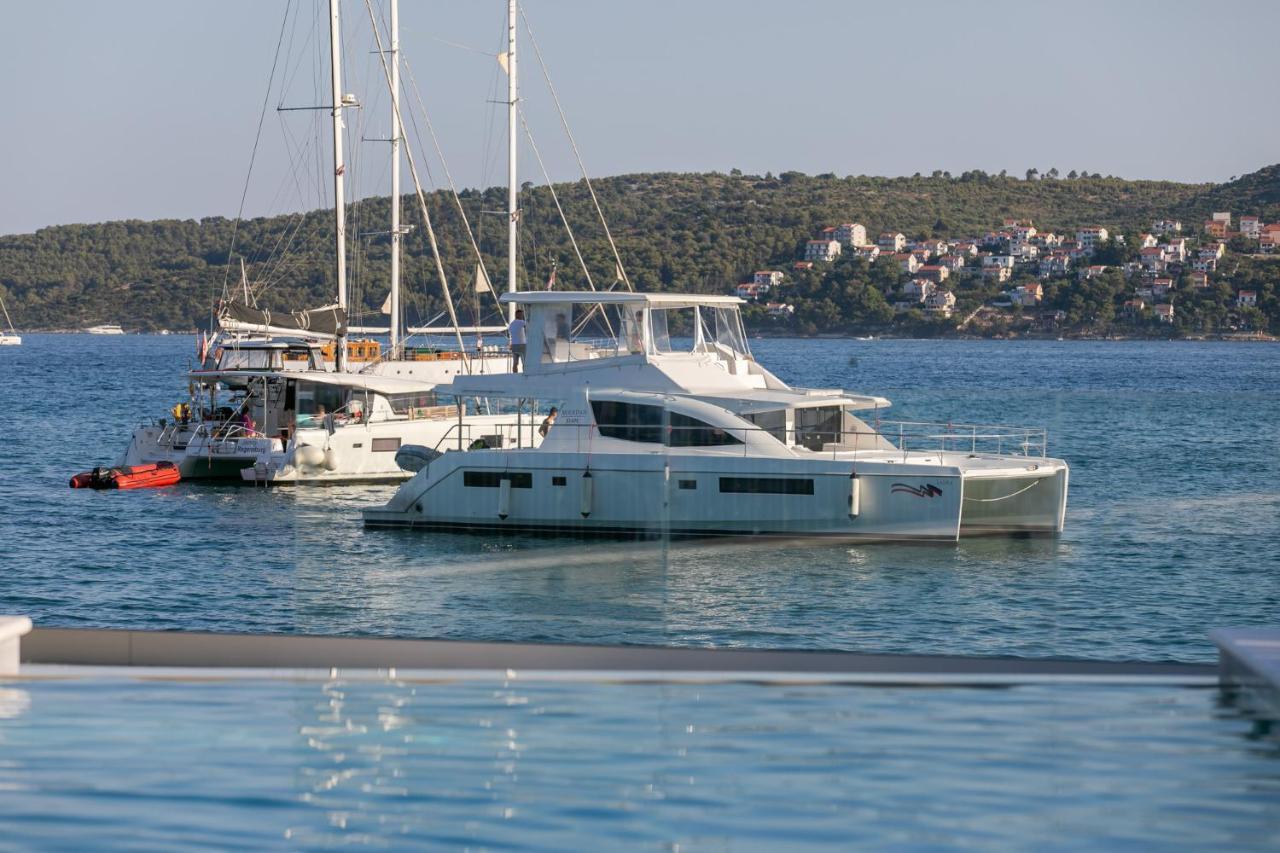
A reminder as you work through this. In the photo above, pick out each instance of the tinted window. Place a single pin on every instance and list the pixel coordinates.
(493, 479)
(766, 485)
(691, 432)
(628, 421)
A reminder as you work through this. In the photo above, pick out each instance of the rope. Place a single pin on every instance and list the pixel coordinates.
(556, 198)
(564, 121)
(466, 223)
(1034, 483)
(422, 201)
(253, 156)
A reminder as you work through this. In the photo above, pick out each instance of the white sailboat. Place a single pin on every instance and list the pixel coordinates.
(690, 436)
(284, 416)
(10, 338)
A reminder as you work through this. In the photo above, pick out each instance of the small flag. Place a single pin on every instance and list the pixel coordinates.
(482, 281)
(551, 279)
(386, 305)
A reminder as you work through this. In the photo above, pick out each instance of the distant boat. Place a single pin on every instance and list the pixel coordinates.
(10, 338)
(105, 329)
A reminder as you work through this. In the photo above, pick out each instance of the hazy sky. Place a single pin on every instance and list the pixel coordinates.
(148, 108)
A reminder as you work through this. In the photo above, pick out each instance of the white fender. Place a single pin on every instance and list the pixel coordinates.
(504, 498)
(588, 492)
(309, 455)
(855, 495)
(330, 460)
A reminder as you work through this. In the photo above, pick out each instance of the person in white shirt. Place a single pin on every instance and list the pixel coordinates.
(516, 331)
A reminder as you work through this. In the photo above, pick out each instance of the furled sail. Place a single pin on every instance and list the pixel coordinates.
(326, 322)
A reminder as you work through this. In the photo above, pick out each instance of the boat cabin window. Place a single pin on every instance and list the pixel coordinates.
(819, 426)
(774, 423)
(234, 358)
(405, 404)
(568, 332)
(315, 401)
(644, 423)
(628, 421)
(691, 432)
(700, 328)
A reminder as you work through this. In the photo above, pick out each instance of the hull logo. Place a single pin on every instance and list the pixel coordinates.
(928, 490)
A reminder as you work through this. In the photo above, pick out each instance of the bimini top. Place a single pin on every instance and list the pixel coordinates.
(663, 300)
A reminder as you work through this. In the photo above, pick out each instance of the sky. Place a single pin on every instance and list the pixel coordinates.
(148, 109)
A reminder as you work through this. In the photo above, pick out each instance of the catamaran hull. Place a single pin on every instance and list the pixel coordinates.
(705, 496)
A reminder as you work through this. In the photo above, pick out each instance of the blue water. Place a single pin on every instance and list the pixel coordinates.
(1173, 526)
(581, 766)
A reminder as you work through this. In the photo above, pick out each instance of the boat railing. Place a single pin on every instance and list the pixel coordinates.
(904, 437)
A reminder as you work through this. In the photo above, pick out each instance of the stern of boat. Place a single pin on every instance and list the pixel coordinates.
(1030, 500)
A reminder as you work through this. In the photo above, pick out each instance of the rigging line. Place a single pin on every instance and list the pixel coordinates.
(1034, 483)
(466, 224)
(556, 198)
(564, 121)
(422, 200)
(253, 156)
(276, 260)
(461, 46)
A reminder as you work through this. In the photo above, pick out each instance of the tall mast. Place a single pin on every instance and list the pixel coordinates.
(339, 201)
(396, 132)
(512, 188)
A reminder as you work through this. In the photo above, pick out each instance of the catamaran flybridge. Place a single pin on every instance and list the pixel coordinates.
(668, 425)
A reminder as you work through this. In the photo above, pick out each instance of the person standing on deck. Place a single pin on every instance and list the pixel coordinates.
(516, 331)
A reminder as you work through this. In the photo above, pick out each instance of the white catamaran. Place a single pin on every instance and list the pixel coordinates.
(668, 425)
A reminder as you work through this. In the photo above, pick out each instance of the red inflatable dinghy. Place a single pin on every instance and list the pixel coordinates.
(135, 477)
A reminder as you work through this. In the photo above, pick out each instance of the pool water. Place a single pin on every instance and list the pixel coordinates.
(118, 763)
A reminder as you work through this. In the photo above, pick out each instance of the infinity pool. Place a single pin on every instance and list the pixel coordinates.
(109, 762)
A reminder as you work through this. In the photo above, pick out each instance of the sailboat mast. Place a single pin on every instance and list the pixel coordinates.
(396, 132)
(512, 188)
(339, 200)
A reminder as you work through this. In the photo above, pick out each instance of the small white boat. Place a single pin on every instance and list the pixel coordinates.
(10, 338)
(690, 436)
(105, 329)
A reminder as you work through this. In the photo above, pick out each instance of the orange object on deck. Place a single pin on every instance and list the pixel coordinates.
(135, 477)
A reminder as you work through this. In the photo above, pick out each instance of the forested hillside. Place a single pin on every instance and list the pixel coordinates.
(694, 232)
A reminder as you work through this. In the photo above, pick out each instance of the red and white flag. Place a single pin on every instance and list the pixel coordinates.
(551, 279)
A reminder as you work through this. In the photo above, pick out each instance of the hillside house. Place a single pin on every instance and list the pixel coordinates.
(1147, 241)
(922, 255)
(1058, 263)
(1251, 227)
(1166, 226)
(1270, 238)
(1215, 251)
(1090, 238)
(1133, 307)
(1027, 295)
(892, 241)
(1198, 279)
(907, 261)
(851, 234)
(801, 266)
(1202, 263)
(868, 253)
(750, 291)
(1164, 313)
(821, 250)
(1216, 228)
(918, 289)
(1246, 299)
(768, 278)
(779, 310)
(1006, 261)
(1175, 250)
(1161, 286)
(934, 272)
(997, 274)
(940, 303)
(1222, 216)
(955, 263)
(968, 250)
(1153, 259)
(1092, 271)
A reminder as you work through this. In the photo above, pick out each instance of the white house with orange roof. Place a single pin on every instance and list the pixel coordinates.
(1246, 299)
(868, 253)
(851, 234)
(909, 262)
(940, 303)
(1269, 240)
(1027, 295)
(1161, 286)
(822, 250)
(1089, 238)
(1166, 226)
(918, 289)
(1198, 278)
(1147, 241)
(1164, 313)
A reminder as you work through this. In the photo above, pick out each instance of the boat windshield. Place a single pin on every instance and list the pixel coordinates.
(234, 358)
(699, 328)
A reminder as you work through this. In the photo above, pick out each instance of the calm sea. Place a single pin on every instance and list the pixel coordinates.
(1173, 526)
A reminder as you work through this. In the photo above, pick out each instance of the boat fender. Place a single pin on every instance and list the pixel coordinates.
(330, 460)
(588, 492)
(855, 495)
(309, 455)
(504, 498)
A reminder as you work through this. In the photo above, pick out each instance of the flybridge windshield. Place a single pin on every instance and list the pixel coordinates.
(576, 331)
